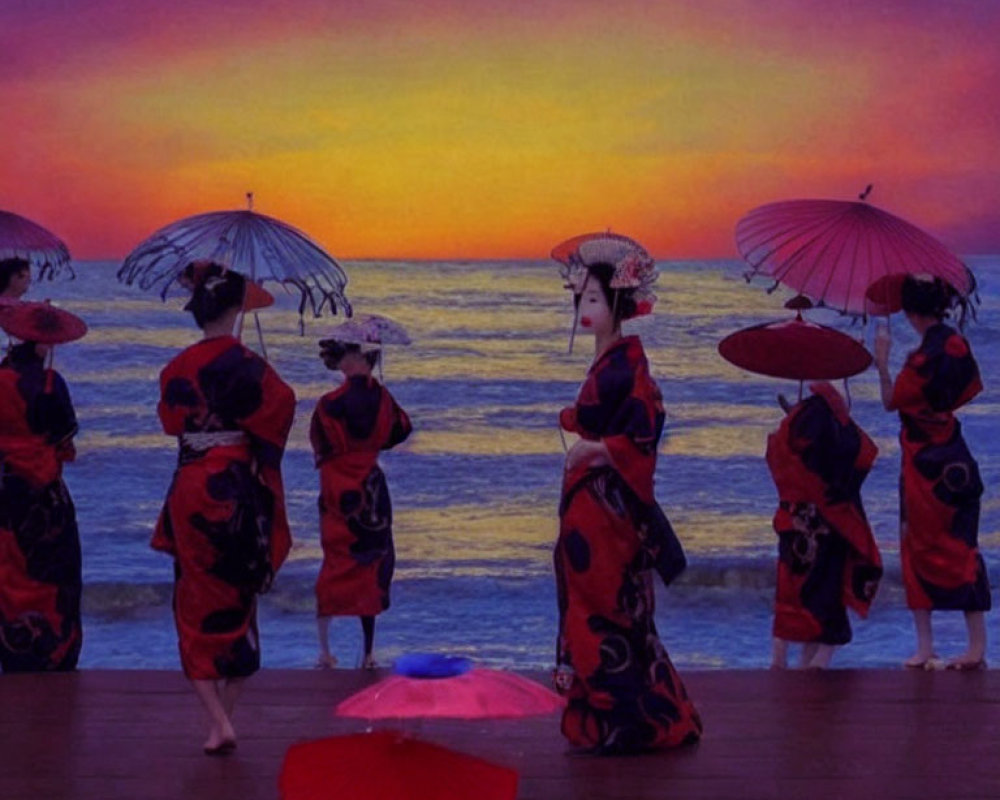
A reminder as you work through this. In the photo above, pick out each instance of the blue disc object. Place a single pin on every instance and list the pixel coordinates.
(431, 665)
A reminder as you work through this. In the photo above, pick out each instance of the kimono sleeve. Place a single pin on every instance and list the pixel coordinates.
(664, 547)
(568, 421)
(401, 426)
(271, 421)
(907, 391)
(632, 435)
(942, 377)
(953, 378)
(51, 414)
(326, 434)
(179, 399)
(268, 427)
(826, 447)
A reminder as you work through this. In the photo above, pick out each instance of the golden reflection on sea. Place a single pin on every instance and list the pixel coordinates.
(488, 532)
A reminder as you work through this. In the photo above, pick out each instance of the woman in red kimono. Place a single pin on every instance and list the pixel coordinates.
(940, 485)
(623, 693)
(224, 517)
(40, 580)
(350, 427)
(827, 556)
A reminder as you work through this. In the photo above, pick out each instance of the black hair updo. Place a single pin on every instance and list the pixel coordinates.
(332, 351)
(620, 301)
(9, 267)
(214, 290)
(927, 298)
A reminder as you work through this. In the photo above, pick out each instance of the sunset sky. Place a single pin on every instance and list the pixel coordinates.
(412, 129)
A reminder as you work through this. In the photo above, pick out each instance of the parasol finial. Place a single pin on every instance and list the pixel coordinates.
(866, 192)
(799, 302)
(249, 201)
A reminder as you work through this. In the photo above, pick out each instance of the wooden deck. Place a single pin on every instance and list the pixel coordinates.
(842, 734)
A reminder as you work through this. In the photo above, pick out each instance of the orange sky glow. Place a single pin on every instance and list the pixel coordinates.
(390, 129)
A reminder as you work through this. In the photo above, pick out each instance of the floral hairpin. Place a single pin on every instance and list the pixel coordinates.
(197, 274)
(637, 271)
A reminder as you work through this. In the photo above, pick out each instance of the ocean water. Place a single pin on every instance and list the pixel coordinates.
(475, 489)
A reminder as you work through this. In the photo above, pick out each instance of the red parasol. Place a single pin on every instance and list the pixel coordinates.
(795, 349)
(476, 694)
(388, 765)
(833, 251)
(41, 322)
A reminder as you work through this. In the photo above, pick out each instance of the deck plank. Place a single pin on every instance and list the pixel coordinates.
(863, 733)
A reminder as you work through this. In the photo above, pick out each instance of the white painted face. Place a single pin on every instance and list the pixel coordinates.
(594, 313)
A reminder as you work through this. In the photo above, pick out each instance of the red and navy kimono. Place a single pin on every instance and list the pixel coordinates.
(624, 694)
(940, 485)
(350, 426)
(224, 518)
(828, 560)
(40, 580)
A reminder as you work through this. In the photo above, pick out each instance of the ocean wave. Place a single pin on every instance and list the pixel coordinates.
(294, 593)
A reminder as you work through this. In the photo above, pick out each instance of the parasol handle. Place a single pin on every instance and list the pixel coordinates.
(572, 331)
(48, 373)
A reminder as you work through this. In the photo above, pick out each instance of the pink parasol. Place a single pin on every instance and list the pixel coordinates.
(22, 238)
(388, 765)
(476, 694)
(833, 251)
(795, 349)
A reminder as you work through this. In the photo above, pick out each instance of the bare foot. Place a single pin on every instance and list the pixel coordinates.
(921, 661)
(967, 662)
(221, 741)
(326, 661)
(368, 662)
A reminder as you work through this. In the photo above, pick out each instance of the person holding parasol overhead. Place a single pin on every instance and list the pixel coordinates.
(828, 560)
(40, 564)
(940, 485)
(623, 693)
(223, 521)
(350, 427)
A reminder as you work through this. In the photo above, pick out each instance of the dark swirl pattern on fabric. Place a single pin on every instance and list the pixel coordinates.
(828, 560)
(349, 428)
(623, 694)
(40, 558)
(224, 519)
(940, 483)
